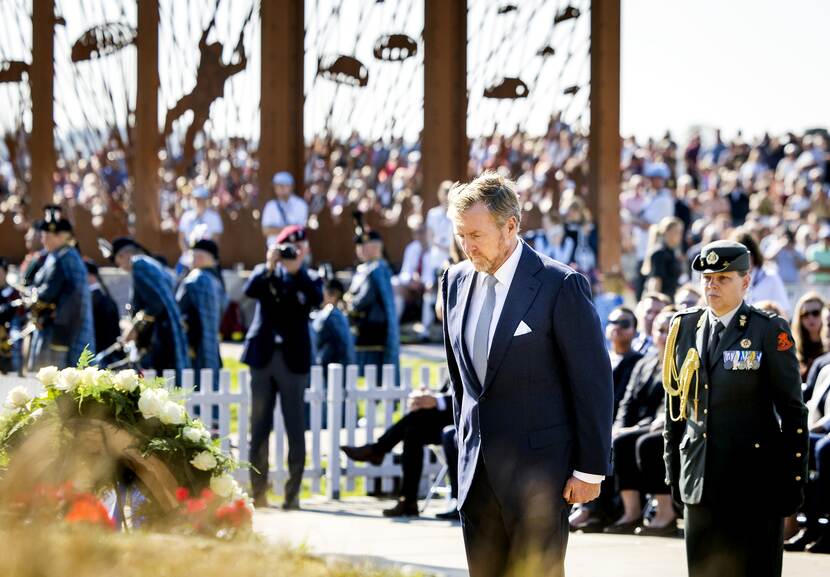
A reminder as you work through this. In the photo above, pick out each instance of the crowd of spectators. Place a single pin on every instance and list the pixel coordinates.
(774, 188)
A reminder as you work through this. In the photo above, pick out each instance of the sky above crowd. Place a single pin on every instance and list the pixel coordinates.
(754, 65)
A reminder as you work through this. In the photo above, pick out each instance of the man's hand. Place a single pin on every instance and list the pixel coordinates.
(272, 258)
(577, 491)
(422, 401)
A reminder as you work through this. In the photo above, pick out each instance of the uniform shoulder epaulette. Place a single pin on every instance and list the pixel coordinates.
(763, 313)
(689, 311)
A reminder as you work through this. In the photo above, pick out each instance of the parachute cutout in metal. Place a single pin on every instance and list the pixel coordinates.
(103, 40)
(395, 47)
(343, 70)
(508, 88)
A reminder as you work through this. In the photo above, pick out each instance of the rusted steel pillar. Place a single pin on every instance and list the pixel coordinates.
(281, 97)
(604, 152)
(41, 81)
(147, 138)
(444, 146)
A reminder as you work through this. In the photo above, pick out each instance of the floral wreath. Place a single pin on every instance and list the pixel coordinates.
(134, 421)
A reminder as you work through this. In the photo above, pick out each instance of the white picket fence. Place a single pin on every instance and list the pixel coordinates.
(227, 413)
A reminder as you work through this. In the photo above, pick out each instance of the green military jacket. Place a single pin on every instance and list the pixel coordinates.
(745, 441)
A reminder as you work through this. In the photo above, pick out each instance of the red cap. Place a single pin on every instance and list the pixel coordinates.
(292, 233)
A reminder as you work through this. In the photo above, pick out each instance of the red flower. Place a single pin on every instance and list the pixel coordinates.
(182, 494)
(196, 505)
(87, 508)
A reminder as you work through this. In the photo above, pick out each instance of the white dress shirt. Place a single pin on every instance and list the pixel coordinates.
(724, 319)
(504, 276)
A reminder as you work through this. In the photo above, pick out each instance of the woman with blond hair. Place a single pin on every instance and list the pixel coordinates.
(807, 325)
(661, 268)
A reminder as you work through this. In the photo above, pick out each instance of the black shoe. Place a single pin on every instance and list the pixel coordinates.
(669, 530)
(822, 545)
(365, 453)
(402, 509)
(260, 502)
(622, 528)
(592, 525)
(291, 505)
(451, 514)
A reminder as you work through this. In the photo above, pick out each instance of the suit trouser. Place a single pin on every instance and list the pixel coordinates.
(501, 539)
(416, 429)
(266, 382)
(721, 542)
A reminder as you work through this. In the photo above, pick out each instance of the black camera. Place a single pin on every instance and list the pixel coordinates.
(287, 252)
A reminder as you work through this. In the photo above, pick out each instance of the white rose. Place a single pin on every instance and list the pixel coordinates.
(89, 376)
(17, 398)
(204, 461)
(152, 402)
(224, 486)
(103, 380)
(195, 434)
(68, 379)
(126, 381)
(48, 376)
(172, 413)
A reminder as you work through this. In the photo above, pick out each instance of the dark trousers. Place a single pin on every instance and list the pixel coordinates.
(723, 542)
(498, 538)
(651, 465)
(266, 382)
(449, 440)
(416, 429)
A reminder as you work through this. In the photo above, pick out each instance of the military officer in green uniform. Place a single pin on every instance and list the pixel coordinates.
(736, 435)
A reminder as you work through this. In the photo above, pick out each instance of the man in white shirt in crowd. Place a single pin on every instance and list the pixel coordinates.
(659, 204)
(285, 210)
(410, 283)
(200, 213)
(199, 221)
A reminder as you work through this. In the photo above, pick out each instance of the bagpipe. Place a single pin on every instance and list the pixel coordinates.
(127, 351)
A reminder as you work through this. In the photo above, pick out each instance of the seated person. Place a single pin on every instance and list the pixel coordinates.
(428, 415)
(815, 537)
(638, 443)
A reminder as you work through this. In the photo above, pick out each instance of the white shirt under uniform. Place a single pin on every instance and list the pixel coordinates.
(504, 276)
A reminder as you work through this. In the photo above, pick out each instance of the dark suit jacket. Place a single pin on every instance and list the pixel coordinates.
(747, 444)
(105, 316)
(621, 375)
(644, 394)
(283, 305)
(545, 407)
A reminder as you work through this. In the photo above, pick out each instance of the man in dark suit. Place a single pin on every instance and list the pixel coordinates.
(531, 382)
(278, 350)
(736, 438)
(423, 425)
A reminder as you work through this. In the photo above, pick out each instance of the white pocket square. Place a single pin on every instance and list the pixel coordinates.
(522, 329)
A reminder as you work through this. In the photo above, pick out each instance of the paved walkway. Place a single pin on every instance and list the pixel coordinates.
(354, 529)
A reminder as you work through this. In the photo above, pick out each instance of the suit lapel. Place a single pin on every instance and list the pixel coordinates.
(521, 295)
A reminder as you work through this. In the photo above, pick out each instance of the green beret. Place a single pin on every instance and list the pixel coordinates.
(722, 256)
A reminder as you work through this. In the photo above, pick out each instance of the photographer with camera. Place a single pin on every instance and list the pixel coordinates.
(278, 350)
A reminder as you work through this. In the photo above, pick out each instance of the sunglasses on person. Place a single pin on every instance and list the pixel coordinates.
(621, 323)
(811, 313)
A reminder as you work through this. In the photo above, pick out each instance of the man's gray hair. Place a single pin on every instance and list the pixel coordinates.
(496, 192)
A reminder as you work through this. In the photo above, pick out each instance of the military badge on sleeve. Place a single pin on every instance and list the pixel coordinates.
(785, 343)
